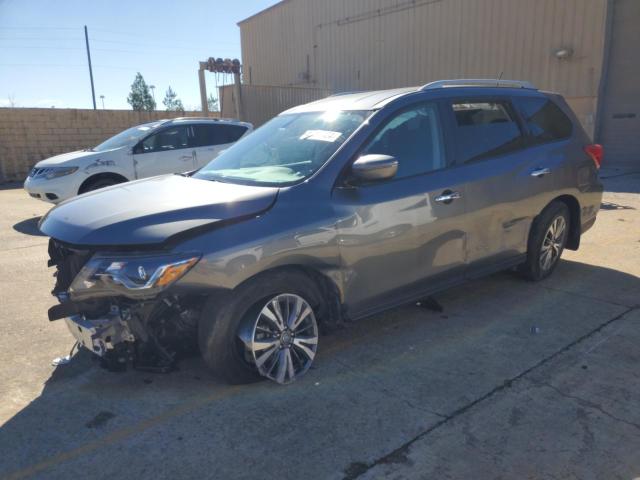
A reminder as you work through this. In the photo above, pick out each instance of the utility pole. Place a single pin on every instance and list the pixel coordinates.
(203, 89)
(102, 98)
(93, 92)
(237, 90)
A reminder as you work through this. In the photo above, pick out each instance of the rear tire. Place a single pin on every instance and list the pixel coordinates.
(547, 239)
(227, 318)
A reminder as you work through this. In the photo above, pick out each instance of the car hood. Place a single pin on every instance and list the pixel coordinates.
(66, 158)
(152, 210)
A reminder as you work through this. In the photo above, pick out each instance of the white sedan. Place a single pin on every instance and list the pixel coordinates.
(165, 146)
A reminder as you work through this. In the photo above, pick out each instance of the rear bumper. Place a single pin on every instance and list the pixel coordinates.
(590, 200)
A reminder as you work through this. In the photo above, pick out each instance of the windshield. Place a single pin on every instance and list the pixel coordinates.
(285, 150)
(128, 137)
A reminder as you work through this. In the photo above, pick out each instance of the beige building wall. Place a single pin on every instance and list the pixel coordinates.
(28, 135)
(375, 44)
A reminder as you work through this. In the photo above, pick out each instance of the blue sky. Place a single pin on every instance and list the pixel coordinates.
(43, 61)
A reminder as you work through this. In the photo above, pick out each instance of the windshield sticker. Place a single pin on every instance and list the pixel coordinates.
(321, 135)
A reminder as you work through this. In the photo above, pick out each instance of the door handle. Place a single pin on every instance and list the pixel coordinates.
(447, 197)
(540, 172)
(185, 157)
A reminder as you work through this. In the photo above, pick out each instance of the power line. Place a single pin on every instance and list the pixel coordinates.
(39, 28)
(39, 65)
(42, 47)
(149, 47)
(49, 47)
(151, 43)
(122, 32)
(71, 65)
(174, 45)
(20, 37)
(161, 51)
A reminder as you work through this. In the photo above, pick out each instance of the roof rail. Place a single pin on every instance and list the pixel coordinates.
(478, 82)
(215, 119)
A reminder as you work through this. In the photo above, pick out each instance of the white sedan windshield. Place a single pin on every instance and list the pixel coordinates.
(285, 150)
(128, 137)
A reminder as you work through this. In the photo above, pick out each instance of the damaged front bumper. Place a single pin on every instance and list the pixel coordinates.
(122, 319)
(102, 335)
(148, 336)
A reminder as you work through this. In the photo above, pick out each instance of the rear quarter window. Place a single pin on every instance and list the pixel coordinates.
(545, 121)
(216, 134)
(231, 133)
(485, 129)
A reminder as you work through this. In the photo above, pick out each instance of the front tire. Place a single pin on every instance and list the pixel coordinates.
(98, 184)
(547, 240)
(266, 328)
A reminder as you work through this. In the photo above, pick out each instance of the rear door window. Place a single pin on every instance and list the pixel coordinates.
(545, 121)
(205, 135)
(485, 129)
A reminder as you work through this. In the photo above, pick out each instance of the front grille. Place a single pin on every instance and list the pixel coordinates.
(68, 263)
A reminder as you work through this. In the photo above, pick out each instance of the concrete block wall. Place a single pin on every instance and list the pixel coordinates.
(28, 135)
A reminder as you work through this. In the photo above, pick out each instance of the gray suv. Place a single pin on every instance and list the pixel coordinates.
(332, 211)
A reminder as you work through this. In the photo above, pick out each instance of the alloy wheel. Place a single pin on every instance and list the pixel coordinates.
(553, 243)
(281, 342)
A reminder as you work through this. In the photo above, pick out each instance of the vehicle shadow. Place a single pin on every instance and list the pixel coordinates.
(29, 227)
(83, 409)
(615, 206)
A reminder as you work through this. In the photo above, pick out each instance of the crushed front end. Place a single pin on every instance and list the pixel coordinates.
(121, 305)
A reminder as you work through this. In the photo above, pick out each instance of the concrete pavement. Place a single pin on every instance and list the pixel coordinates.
(512, 379)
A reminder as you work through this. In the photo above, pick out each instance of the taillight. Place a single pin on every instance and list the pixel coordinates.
(595, 151)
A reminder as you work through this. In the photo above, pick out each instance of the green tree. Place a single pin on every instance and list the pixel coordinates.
(140, 98)
(172, 102)
(212, 102)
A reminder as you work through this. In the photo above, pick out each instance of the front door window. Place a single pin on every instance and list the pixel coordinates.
(173, 138)
(414, 138)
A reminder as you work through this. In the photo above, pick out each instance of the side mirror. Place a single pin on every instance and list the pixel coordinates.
(373, 168)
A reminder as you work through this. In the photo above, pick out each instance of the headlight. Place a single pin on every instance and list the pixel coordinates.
(131, 276)
(55, 172)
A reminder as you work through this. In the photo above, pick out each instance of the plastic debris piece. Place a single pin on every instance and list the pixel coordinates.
(56, 362)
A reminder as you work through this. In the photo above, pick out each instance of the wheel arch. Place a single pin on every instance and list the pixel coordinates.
(575, 224)
(101, 176)
(329, 292)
